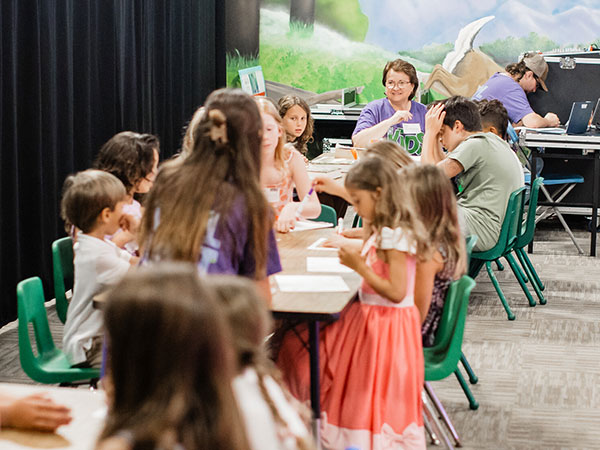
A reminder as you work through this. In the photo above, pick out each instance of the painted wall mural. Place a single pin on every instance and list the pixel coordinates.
(318, 47)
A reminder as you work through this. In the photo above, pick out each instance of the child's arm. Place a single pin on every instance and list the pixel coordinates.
(393, 289)
(424, 280)
(431, 152)
(330, 186)
(36, 412)
(312, 208)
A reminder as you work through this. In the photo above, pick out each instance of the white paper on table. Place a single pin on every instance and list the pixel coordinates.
(303, 225)
(311, 283)
(325, 264)
(317, 245)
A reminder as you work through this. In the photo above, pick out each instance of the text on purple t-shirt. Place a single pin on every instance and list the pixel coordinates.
(503, 88)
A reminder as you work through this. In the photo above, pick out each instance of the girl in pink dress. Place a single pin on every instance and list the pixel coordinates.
(282, 169)
(371, 359)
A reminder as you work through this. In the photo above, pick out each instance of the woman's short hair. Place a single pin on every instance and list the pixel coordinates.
(399, 65)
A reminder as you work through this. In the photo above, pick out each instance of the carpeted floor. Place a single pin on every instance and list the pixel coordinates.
(539, 376)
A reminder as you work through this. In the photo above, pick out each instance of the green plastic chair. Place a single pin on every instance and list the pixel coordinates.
(327, 215)
(62, 267)
(526, 237)
(51, 365)
(470, 242)
(357, 221)
(511, 228)
(441, 360)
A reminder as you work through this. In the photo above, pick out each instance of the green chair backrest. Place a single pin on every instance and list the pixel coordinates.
(470, 242)
(327, 215)
(50, 365)
(357, 221)
(527, 232)
(62, 267)
(511, 228)
(442, 358)
(30, 298)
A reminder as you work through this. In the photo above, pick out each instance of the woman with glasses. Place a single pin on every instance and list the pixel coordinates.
(397, 116)
(511, 89)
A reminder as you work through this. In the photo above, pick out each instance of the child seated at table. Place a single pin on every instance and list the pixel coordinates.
(133, 159)
(371, 359)
(441, 257)
(270, 412)
(282, 169)
(92, 202)
(170, 365)
(297, 121)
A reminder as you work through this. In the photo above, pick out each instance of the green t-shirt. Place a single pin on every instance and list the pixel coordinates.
(491, 173)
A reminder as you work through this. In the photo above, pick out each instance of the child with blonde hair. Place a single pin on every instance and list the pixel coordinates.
(170, 365)
(272, 421)
(283, 169)
(372, 369)
(93, 202)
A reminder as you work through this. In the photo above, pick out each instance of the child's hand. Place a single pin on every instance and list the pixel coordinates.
(37, 412)
(434, 119)
(129, 223)
(351, 257)
(287, 218)
(335, 241)
(353, 233)
(325, 184)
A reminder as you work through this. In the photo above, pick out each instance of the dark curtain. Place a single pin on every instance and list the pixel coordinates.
(72, 74)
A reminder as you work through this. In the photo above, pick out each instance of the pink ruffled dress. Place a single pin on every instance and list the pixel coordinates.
(371, 365)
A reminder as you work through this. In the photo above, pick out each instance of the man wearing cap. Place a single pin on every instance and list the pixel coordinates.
(511, 88)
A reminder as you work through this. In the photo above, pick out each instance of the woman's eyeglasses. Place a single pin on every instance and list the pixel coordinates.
(391, 85)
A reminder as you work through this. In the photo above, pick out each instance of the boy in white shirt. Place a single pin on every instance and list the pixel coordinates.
(93, 202)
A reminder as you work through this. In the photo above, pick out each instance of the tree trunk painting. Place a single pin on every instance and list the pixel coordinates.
(242, 20)
(302, 12)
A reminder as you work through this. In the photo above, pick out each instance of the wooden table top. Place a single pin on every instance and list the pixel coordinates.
(88, 409)
(293, 252)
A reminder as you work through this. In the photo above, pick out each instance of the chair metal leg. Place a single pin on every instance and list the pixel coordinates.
(442, 413)
(536, 287)
(435, 421)
(465, 387)
(517, 271)
(472, 377)
(523, 253)
(499, 265)
(509, 313)
(428, 427)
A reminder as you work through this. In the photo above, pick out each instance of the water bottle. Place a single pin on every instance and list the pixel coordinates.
(326, 145)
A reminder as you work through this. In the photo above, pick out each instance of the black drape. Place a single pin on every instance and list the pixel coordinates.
(72, 74)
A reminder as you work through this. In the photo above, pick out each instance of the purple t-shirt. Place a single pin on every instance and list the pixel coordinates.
(228, 248)
(510, 93)
(381, 109)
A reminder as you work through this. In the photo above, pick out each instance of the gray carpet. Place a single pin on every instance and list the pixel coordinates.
(539, 376)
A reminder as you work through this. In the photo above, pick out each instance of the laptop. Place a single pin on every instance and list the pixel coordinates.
(579, 118)
(349, 102)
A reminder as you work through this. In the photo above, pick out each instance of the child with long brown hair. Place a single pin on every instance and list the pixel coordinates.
(372, 369)
(283, 169)
(441, 256)
(208, 207)
(270, 412)
(297, 121)
(170, 365)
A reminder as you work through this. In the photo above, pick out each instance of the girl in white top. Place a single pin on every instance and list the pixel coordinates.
(269, 411)
(282, 169)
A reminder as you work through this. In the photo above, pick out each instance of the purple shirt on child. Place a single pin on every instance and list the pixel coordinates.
(379, 110)
(510, 93)
(228, 248)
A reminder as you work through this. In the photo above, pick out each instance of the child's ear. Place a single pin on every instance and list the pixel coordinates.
(377, 193)
(105, 214)
(458, 126)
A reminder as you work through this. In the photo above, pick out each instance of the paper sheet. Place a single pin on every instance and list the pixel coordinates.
(318, 245)
(311, 283)
(303, 225)
(325, 264)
